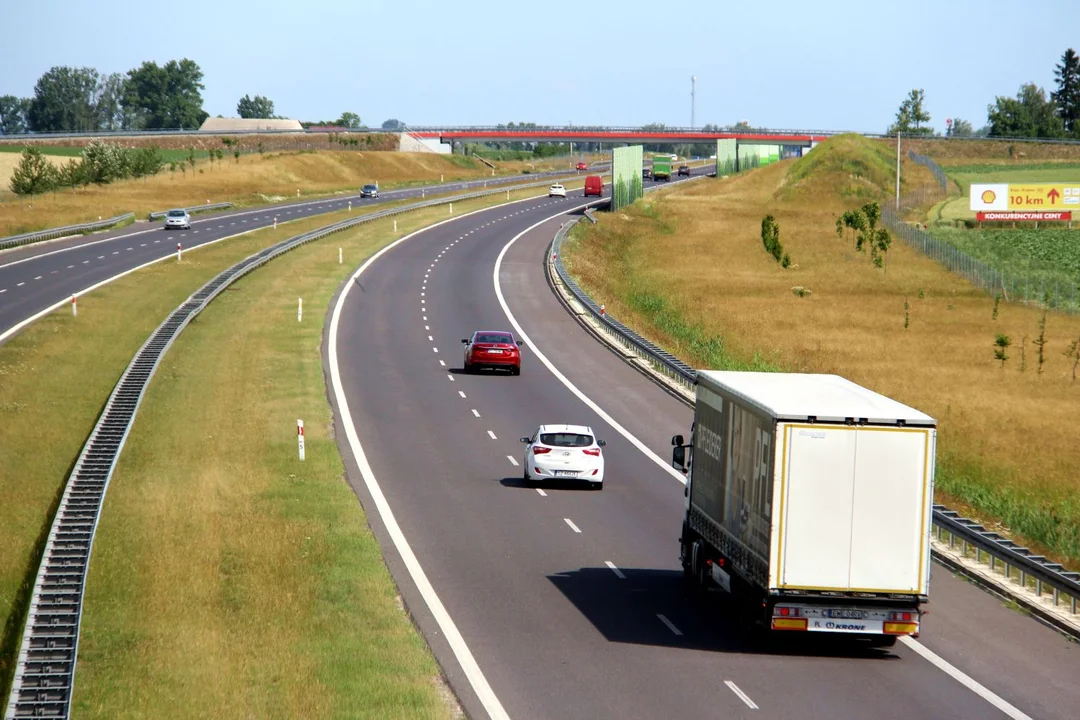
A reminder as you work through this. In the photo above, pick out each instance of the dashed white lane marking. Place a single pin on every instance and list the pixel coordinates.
(144, 244)
(54, 272)
(157, 241)
(670, 625)
(492, 435)
(539, 491)
(427, 327)
(434, 349)
(70, 266)
(3, 290)
(573, 527)
(134, 248)
(442, 363)
(965, 680)
(85, 262)
(512, 460)
(475, 413)
(20, 284)
(430, 338)
(617, 571)
(742, 696)
(422, 294)
(425, 318)
(116, 252)
(38, 277)
(450, 378)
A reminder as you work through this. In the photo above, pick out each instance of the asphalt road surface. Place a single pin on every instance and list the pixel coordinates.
(570, 601)
(36, 277)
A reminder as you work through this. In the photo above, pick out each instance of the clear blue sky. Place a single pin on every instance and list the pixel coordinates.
(779, 64)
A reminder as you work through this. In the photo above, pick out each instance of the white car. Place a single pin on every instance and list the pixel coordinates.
(177, 219)
(564, 451)
(557, 190)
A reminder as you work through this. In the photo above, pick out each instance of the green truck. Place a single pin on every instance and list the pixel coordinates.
(661, 167)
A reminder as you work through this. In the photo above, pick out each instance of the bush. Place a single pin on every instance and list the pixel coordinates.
(34, 174)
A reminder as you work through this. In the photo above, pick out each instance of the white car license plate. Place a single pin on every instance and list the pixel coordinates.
(567, 473)
(495, 352)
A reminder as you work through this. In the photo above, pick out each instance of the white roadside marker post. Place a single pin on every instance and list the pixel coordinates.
(300, 437)
(74, 307)
(179, 252)
(275, 222)
(451, 208)
(300, 309)
(339, 256)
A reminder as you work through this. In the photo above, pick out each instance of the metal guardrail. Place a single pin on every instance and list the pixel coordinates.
(45, 669)
(1032, 571)
(158, 214)
(58, 232)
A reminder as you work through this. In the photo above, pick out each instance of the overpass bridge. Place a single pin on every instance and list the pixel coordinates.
(615, 136)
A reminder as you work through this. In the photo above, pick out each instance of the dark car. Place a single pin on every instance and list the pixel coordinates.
(684, 170)
(646, 173)
(492, 349)
(371, 191)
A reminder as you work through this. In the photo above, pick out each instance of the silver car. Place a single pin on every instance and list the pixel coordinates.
(177, 219)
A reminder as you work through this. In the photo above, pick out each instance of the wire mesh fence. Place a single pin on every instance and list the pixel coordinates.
(1032, 287)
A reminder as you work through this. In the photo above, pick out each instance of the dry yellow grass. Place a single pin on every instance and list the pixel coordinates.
(697, 251)
(8, 163)
(252, 180)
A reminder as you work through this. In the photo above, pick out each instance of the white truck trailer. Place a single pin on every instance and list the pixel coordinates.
(809, 499)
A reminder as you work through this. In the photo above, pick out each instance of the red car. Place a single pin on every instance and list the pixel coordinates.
(582, 166)
(492, 349)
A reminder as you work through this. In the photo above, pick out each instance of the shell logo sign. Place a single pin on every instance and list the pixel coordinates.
(989, 197)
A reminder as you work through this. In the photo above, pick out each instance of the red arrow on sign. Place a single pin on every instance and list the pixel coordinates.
(1053, 195)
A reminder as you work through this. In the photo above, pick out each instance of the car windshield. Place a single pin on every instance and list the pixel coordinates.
(566, 439)
(494, 338)
(176, 213)
(369, 187)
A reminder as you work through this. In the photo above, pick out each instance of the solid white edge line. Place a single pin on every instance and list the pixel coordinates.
(967, 681)
(670, 625)
(56, 306)
(555, 371)
(927, 654)
(742, 696)
(573, 527)
(617, 571)
(438, 611)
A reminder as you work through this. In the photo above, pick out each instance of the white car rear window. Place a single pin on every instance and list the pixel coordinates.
(566, 439)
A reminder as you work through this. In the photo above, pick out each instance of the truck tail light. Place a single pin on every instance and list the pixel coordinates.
(788, 623)
(901, 616)
(787, 611)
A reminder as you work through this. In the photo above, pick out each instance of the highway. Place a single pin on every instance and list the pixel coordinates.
(569, 603)
(34, 278)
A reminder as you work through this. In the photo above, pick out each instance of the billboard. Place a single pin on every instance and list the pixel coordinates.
(1028, 197)
(725, 156)
(626, 184)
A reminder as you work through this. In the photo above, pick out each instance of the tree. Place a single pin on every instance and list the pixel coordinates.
(167, 96)
(393, 124)
(34, 174)
(256, 107)
(1067, 96)
(960, 128)
(863, 224)
(64, 100)
(1029, 114)
(108, 106)
(13, 114)
(911, 115)
(349, 119)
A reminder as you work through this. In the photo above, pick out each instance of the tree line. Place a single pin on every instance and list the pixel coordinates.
(1032, 113)
(71, 99)
(100, 163)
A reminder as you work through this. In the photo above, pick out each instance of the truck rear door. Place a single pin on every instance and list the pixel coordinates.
(855, 508)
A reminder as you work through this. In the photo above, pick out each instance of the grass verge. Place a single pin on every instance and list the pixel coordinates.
(687, 269)
(253, 576)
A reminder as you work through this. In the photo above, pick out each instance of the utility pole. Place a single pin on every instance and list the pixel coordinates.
(897, 171)
(693, 79)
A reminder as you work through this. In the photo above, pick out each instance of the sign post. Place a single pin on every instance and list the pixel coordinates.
(300, 437)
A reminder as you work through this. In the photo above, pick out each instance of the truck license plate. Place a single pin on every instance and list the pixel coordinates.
(848, 614)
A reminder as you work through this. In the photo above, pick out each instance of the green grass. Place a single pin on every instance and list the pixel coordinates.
(167, 155)
(1048, 254)
(184, 592)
